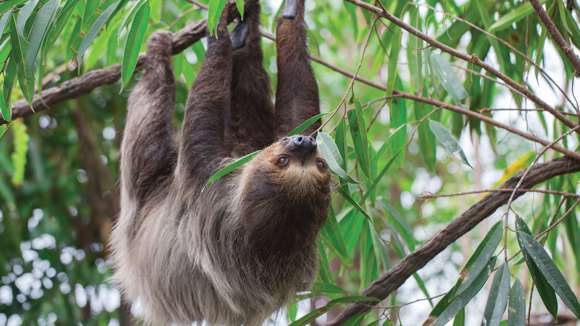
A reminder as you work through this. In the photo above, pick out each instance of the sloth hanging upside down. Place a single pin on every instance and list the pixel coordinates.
(235, 251)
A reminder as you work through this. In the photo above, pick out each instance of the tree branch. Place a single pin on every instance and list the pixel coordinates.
(393, 279)
(466, 57)
(84, 84)
(557, 37)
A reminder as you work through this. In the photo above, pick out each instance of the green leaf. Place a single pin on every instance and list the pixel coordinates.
(549, 270)
(447, 76)
(478, 261)
(4, 21)
(25, 77)
(517, 305)
(3, 129)
(353, 202)
(359, 137)
(240, 6)
(9, 76)
(24, 15)
(231, 167)
(462, 299)
(324, 309)
(447, 140)
(399, 224)
(94, 31)
(214, 12)
(546, 292)
(20, 149)
(306, 124)
(498, 297)
(459, 319)
(331, 235)
(513, 16)
(329, 151)
(38, 32)
(134, 41)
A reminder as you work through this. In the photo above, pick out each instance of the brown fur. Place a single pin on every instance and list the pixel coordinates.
(233, 252)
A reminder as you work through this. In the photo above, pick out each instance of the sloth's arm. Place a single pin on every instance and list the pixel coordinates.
(147, 152)
(297, 91)
(202, 144)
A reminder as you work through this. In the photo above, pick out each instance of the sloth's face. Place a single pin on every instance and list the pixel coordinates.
(295, 164)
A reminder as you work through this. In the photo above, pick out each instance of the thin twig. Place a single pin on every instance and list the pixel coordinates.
(518, 185)
(483, 191)
(466, 57)
(544, 74)
(557, 37)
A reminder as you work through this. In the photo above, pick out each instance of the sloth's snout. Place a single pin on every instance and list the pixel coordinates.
(301, 145)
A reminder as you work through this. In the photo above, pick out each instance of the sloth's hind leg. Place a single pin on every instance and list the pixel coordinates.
(147, 152)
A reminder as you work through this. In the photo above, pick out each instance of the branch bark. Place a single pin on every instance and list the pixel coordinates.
(86, 83)
(393, 279)
(557, 37)
(466, 57)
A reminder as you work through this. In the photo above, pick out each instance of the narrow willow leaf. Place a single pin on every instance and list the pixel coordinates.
(399, 224)
(134, 41)
(459, 319)
(3, 129)
(38, 32)
(6, 192)
(513, 16)
(329, 151)
(94, 31)
(447, 140)
(330, 233)
(25, 77)
(447, 76)
(473, 268)
(546, 292)
(498, 297)
(9, 77)
(214, 12)
(306, 124)
(517, 305)
(353, 202)
(231, 167)
(20, 149)
(4, 21)
(359, 137)
(482, 254)
(462, 299)
(324, 309)
(240, 6)
(547, 267)
(24, 15)
(5, 49)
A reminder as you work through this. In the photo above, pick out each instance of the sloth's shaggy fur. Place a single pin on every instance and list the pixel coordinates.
(235, 251)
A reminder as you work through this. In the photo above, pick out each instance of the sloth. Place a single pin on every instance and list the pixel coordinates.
(235, 251)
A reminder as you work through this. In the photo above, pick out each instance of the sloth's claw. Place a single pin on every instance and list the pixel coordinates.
(239, 35)
(291, 9)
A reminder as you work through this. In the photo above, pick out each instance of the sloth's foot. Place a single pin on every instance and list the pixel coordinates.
(239, 35)
(160, 44)
(291, 9)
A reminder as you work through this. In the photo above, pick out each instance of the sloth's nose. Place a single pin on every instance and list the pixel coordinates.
(302, 144)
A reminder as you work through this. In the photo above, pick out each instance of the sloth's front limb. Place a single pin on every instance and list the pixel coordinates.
(297, 91)
(147, 152)
(202, 145)
(251, 122)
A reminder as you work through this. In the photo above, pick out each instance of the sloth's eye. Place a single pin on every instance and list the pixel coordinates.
(321, 164)
(282, 160)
